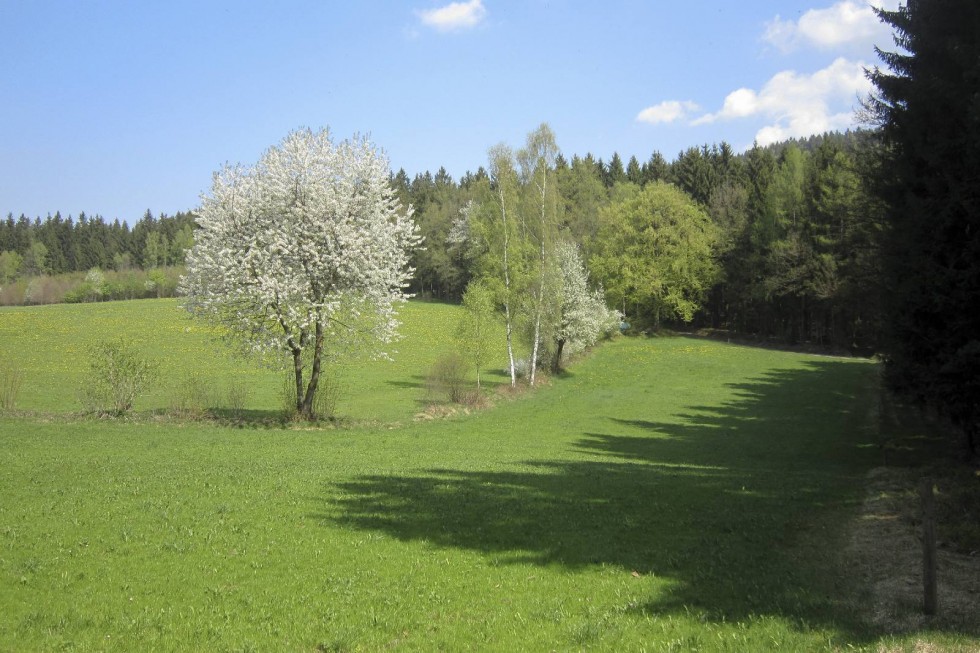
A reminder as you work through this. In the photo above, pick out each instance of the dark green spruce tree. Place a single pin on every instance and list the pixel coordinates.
(928, 106)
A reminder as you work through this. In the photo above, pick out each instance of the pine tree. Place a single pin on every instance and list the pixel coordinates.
(656, 169)
(616, 173)
(928, 107)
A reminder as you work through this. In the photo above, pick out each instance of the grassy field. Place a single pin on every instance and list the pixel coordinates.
(666, 494)
(50, 346)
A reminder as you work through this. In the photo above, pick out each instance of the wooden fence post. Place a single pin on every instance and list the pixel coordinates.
(930, 600)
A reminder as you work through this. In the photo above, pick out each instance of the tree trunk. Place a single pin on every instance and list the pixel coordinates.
(543, 263)
(510, 325)
(510, 345)
(306, 408)
(556, 364)
(298, 374)
(537, 330)
(930, 602)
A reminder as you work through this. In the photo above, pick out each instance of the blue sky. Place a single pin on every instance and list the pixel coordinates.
(115, 107)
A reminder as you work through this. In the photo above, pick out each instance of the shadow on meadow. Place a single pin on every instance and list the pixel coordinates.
(418, 383)
(737, 504)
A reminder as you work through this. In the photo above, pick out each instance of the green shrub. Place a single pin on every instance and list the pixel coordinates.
(447, 378)
(118, 376)
(237, 396)
(78, 294)
(193, 397)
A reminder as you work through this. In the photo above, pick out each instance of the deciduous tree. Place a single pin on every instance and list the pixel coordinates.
(582, 316)
(537, 160)
(656, 253)
(305, 250)
(475, 331)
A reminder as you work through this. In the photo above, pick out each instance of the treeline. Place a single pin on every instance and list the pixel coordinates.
(67, 260)
(58, 245)
(795, 247)
(795, 239)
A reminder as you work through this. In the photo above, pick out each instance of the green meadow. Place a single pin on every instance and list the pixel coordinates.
(665, 494)
(51, 344)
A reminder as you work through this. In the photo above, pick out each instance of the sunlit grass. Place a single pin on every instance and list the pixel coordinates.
(51, 346)
(665, 494)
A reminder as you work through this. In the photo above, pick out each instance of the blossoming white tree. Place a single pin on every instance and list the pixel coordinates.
(303, 254)
(582, 316)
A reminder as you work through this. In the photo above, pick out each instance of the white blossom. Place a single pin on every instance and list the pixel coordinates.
(583, 316)
(307, 247)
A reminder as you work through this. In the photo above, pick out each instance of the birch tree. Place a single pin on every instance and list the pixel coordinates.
(474, 333)
(303, 254)
(537, 160)
(501, 238)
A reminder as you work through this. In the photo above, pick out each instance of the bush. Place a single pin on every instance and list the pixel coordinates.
(95, 285)
(448, 378)
(78, 294)
(237, 397)
(118, 376)
(328, 393)
(522, 368)
(193, 397)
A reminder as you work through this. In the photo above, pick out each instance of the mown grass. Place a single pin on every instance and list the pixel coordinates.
(666, 494)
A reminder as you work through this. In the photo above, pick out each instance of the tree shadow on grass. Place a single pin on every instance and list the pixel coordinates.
(418, 383)
(740, 503)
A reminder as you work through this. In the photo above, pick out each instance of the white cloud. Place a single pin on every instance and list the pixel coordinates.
(665, 112)
(798, 104)
(846, 23)
(454, 16)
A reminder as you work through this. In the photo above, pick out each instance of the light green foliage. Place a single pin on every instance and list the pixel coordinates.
(35, 260)
(10, 266)
(155, 250)
(784, 234)
(183, 240)
(193, 396)
(502, 255)
(539, 215)
(118, 375)
(477, 328)
(159, 282)
(447, 378)
(784, 197)
(512, 230)
(655, 254)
